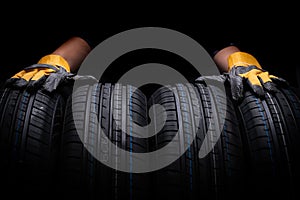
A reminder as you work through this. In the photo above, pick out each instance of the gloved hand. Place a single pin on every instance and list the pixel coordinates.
(244, 69)
(50, 71)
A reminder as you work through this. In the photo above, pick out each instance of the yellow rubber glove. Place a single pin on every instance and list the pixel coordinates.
(245, 69)
(48, 73)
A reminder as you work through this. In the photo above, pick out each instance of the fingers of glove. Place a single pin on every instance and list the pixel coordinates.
(11, 81)
(266, 81)
(19, 74)
(55, 79)
(273, 77)
(270, 86)
(52, 81)
(254, 81)
(27, 75)
(279, 81)
(237, 87)
(256, 88)
(34, 84)
(252, 77)
(16, 82)
(40, 78)
(41, 73)
(264, 77)
(21, 79)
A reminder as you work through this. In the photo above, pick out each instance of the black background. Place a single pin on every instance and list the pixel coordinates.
(272, 39)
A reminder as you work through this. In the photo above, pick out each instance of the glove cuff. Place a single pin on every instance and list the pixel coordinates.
(242, 59)
(55, 60)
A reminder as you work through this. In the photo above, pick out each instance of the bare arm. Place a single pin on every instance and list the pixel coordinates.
(74, 52)
(222, 56)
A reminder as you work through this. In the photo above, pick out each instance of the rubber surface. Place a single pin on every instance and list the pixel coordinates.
(270, 127)
(30, 131)
(192, 112)
(48, 144)
(90, 110)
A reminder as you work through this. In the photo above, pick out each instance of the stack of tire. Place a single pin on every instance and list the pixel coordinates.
(44, 154)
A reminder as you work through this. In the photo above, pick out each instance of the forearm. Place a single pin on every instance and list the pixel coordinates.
(74, 52)
(221, 57)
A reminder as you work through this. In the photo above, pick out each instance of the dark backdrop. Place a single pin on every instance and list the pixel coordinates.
(274, 42)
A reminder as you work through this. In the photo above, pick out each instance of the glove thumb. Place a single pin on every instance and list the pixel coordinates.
(55, 79)
(237, 87)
